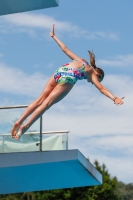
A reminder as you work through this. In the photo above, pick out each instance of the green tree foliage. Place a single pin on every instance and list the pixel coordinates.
(125, 191)
(106, 191)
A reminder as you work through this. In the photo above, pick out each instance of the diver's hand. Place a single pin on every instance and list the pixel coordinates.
(52, 34)
(118, 101)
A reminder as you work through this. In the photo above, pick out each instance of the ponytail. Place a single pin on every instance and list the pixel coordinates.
(92, 59)
(92, 63)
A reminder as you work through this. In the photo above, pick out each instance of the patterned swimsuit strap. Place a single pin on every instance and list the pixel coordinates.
(84, 63)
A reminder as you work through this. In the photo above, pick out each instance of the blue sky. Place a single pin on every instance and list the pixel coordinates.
(28, 57)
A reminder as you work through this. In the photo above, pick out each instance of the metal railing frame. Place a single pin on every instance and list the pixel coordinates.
(41, 132)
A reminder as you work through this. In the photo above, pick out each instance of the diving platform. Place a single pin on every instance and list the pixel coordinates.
(47, 170)
(18, 6)
(40, 160)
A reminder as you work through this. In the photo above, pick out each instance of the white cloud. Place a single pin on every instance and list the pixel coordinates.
(13, 80)
(40, 21)
(121, 167)
(30, 22)
(120, 143)
(117, 61)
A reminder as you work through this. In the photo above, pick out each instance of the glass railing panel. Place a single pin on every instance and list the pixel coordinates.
(56, 141)
(32, 140)
(26, 143)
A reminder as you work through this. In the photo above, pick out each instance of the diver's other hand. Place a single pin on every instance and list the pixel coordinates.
(118, 101)
(52, 31)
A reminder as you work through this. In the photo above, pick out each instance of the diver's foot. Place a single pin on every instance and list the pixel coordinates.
(15, 129)
(22, 130)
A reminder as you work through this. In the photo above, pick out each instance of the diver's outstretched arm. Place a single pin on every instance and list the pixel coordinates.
(105, 91)
(69, 53)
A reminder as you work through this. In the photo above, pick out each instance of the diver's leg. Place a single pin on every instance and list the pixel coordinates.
(51, 84)
(58, 93)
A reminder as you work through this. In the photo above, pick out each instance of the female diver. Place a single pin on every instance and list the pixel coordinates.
(60, 84)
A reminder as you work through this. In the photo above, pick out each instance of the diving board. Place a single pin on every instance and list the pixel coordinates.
(17, 6)
(46, 170)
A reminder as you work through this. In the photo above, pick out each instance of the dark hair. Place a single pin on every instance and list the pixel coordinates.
(92, 63)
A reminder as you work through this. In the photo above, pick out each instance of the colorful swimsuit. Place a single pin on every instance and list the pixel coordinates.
(66, 74)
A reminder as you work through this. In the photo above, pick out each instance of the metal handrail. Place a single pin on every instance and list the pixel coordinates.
(10, 107)
(32, 133)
